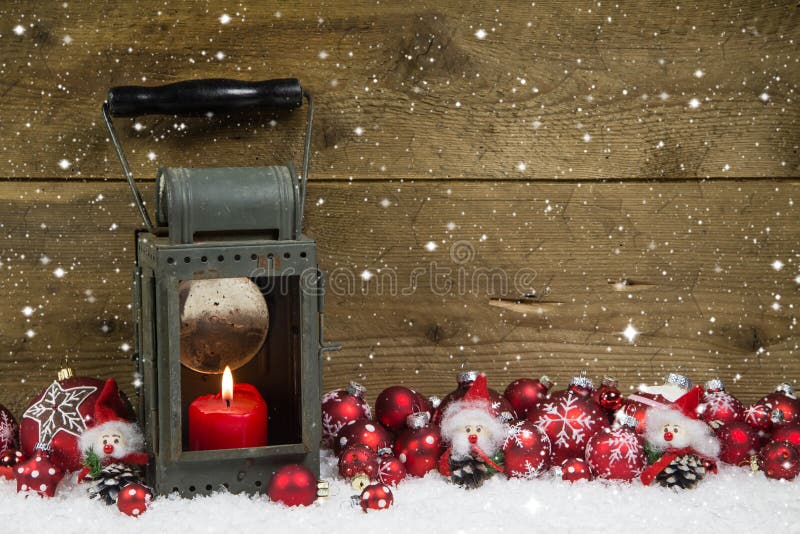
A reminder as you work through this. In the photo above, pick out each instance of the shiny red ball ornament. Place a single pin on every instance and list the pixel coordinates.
(341, 406)
(526, 451)
(9, 430)
(394, 404)
(719, 405)
(365, 432)
(357, 459)
(525, 393)
(569, 420)
(608, 395)
(758, 416)
(38, 474)
(293, 485)
(790, 433)
(419, 446)
(391, 470)
(780, 460)
(465, 379)
(376, 497)
(133, 499)
(783, 401)
(9, 459)
(738, 442)
(617, 454)
(574, 469)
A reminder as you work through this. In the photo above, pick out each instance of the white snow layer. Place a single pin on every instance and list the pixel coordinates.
(732, 501)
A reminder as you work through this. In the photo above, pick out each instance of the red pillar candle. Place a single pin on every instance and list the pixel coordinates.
(235, 418)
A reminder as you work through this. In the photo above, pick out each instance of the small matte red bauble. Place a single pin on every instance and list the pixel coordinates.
(293, 485)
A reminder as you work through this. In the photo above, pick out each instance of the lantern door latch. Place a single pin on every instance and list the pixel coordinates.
(324, 346)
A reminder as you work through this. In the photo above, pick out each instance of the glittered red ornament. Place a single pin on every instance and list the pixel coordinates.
(133, 499)
(526, 451)
(790, 433)
(574, 469)
(293, 485)
(637, 404)
(569, 420)
(390, 469)
(8, 462)
(376, 497)
(719, 405)
(365, 432)
(759, 417)
(616, 454)
(779, 459)
(608, 396)
(465, 380)
(783, 401)
(525, 393)
(581, 385)
(738, 442)
(358, 459)
(341, 406)
(419, 445)
(9, 430)
(38, 474)
(395, 403)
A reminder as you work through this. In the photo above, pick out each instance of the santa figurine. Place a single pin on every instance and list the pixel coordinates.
(687, 446)
(474, 433)
(112, 448)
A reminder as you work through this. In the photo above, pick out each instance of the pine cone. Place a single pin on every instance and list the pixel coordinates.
(111, 479)
(683, 472)
(470, 472)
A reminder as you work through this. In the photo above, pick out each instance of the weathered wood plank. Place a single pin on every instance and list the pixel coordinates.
(697, 257)
(554, 89)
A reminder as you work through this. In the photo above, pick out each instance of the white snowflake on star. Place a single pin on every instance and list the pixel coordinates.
(8, 433)
(59, 410)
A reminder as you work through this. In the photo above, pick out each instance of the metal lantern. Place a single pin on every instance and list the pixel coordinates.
(225, 277)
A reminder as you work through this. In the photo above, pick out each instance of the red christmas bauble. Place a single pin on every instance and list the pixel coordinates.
(569, 420)
(358, 459)
(637, 404)
(133, 499)
(784, 401)
(395, 403)
(581, 385)
(790, 433)
(526, 451)
(365, 432)
(608, 396)
(525, 393)
(376, 497)
(9, 430)
(719, 405)
(390, 469)
(574, 469)
(38, 474)
(419, 445)
(616, 454)
(738, 442)
(293, 485)
(779, 459)
(341, 406)
(59, 415)
(465, 380)
(8, 462)
(758, 416)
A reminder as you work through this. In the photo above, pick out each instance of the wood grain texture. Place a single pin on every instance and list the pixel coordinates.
(690, 265)
(555, 89)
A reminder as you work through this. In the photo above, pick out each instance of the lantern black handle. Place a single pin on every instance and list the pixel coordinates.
(202, 96)
(193, 97)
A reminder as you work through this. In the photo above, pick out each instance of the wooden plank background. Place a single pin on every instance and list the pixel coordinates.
(559, 155)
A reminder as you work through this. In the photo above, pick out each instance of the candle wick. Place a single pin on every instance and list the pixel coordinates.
(228, 403)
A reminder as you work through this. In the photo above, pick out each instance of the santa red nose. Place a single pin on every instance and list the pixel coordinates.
(108, 448)
(473, 438)
(668, 436)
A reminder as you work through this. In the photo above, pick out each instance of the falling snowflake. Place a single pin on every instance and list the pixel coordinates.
(569, 421)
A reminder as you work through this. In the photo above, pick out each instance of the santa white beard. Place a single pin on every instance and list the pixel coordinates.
(463, 448)
(460, 415)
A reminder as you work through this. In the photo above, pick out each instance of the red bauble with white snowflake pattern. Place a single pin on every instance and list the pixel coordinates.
(738, 442)
(719, 405)
(616, 454)
(38, 474)
(758, 416)
(574, 469)
(790, 433)
(376, 497)
(293, 485)
(133, 499)
(784, 406)
(569, 420)
(419, 445)
(394, 404)
(526, 451)
(365, 432)
(525, 393)
(780, 460)
(341, 406)
(357, 459)
(391, 470)
(9, 430)
(9, 459)
(465, 379)
(59, 415)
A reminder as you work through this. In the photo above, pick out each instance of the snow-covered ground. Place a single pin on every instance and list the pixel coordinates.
(733, 501)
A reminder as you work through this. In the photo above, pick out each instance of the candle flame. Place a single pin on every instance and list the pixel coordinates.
(227, 385)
